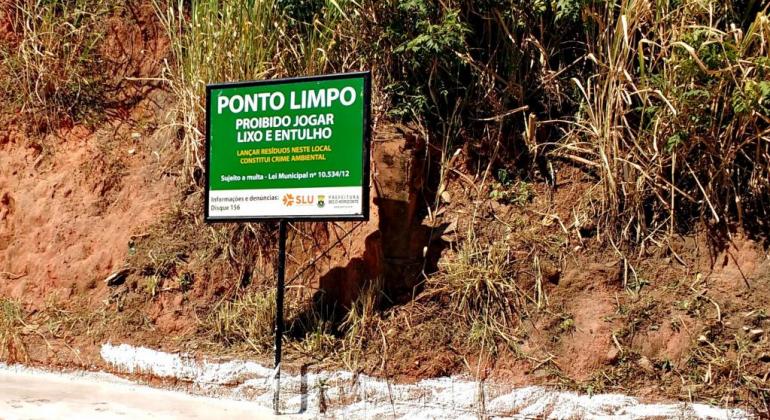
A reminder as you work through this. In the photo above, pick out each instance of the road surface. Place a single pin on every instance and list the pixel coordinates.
(29, 394)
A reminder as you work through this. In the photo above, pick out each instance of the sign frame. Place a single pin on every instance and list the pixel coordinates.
(366, 151)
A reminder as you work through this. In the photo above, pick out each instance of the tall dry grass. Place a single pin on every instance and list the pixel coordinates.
(213, 41)
(673, 119)
(248, 320)
(53, 73)
(223, 41)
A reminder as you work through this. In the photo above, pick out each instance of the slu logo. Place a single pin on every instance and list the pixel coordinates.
(305, 200)
(321, 201)
(298, 200)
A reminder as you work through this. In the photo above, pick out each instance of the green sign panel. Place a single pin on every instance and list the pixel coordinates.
(288, 149)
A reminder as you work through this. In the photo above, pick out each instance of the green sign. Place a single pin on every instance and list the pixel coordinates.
(288, 149)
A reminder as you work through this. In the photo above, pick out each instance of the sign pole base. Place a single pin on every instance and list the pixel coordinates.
(279, 324)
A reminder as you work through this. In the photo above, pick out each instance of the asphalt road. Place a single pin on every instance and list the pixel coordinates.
(36, 395)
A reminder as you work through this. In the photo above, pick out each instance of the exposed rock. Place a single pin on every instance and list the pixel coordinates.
(117, 278)
(550, 272)
(646, 364)
(399, 243)
(756, 334)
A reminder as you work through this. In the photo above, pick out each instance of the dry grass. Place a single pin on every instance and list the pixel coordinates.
(318, 344)
(222, 41)
(359, 324)
(12, 327)
(479, 280)
(673, 119)
(246, 320)
(55, 72)
(213, 42)
(480, 284)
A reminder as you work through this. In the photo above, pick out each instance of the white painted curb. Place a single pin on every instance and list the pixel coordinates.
(359, 396)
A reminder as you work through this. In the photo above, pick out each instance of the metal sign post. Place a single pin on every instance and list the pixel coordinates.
(288, 150)
(279, 325)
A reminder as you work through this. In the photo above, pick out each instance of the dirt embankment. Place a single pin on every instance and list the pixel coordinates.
(677, 318)
(97, 200)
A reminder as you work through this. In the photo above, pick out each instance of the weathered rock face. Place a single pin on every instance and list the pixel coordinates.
(399, 182)
(390, 247)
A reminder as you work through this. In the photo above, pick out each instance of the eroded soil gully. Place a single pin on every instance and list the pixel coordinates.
(344, 394)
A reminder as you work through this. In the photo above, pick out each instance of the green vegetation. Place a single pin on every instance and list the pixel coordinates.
(665, 104)
(670, 119)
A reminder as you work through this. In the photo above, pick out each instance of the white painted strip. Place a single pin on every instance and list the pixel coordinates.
(359, 396)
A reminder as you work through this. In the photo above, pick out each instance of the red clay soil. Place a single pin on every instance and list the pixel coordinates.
(7, 36)
(69, 213)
